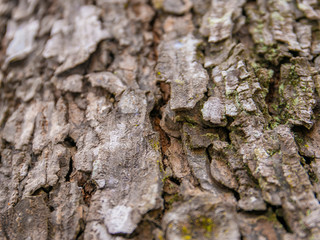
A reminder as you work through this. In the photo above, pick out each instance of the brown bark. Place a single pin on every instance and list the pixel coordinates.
(162, 119)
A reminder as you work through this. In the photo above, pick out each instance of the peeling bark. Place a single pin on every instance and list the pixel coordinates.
(162, 119)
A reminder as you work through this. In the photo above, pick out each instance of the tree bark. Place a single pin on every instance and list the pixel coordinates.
(161, 119)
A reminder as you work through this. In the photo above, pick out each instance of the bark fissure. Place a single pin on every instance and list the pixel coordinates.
(159, 119)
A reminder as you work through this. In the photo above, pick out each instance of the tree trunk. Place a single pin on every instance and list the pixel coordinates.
(162, 119)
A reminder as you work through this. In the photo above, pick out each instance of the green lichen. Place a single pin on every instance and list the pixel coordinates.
(155, 144)
(270, 217)
(206, 224)
(174, 198)
(179, 82)
(293, 75)
(202, 223)
(212, 136)
(275, 106)
(255, 66)
(272, 54)
(308, 212)
(270, 73)
(158, 4)
(272, 151)
(186, 233)
(296, 101)
(263, 48)
(178, 118)
(160, 237)
(160, 164)
(165, 178)
(277, 16)
(275, 122)
(191, 122)
(281, 89)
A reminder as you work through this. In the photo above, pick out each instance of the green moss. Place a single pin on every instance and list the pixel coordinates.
(174, 198)
(270, 73)
(275, 107)
(160, 164)
(165, 178)
(293, 75)
(271, 151)
(271, 217)
(277, 119)
(264, 48)
(255, 66)
(185, 230)
(178, 118)
(186, 233)
(179, 82)
(155, 144)
(281, 88)
(191, 122)
(299, 140)
(277, 16)
(272, 54)
(212, 136)
(202, 223)
(275, 122)
(206, 224)
(296, 101)
(260, 27)
(158, 4)
(308, 212)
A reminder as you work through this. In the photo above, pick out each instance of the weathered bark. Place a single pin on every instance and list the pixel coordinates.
(162, 119)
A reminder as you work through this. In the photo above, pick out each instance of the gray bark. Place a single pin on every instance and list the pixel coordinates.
(162, 119)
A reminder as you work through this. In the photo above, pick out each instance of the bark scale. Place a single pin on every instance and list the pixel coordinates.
(159, 119)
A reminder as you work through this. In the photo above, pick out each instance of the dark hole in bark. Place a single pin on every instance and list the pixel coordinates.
(236, 195)
(70, 170)
(316, 196)
(46, 190)
(279, 214)
(69, 142)
(307, 160)
(284, 223)
(175, 180)
(155, 118)
(88, 189)
(81, 230)
(34, 157)
(209, 156)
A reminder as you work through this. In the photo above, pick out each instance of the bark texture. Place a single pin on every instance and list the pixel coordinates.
(161, 119)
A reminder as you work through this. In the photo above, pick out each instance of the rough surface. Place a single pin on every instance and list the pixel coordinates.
(77, 40)
(161, 119)
(177, 65)
(22, 42)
